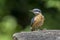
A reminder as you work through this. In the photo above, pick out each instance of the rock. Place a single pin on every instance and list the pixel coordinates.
(38, 35)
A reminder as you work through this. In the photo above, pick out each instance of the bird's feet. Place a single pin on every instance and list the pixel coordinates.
(44, 30)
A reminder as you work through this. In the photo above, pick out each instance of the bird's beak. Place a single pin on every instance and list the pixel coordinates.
(30, 11)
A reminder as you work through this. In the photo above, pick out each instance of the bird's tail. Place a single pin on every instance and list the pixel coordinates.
(32, 29)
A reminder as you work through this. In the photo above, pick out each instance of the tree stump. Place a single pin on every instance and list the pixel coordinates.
(38, 35)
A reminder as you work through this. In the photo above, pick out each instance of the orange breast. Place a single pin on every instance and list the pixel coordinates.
(38, 21)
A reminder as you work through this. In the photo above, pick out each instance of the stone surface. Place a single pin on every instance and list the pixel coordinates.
(38, 35)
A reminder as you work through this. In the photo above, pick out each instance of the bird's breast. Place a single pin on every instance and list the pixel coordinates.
(38, 20)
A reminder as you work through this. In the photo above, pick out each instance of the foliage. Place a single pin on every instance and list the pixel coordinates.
(15, 15)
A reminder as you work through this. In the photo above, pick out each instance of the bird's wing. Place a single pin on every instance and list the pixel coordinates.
(32, 21)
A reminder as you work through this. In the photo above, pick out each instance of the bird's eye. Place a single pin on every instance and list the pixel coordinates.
(36, 11)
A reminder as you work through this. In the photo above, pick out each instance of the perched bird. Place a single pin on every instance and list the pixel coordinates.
(38, 20)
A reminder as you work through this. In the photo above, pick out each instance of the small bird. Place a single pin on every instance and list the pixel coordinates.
(38, 20)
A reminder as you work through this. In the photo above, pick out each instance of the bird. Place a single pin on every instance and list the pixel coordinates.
(38, 20)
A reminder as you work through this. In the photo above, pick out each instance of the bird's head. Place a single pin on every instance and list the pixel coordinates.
(36, 11)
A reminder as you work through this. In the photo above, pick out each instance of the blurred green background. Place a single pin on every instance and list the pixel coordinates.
(15, 15)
